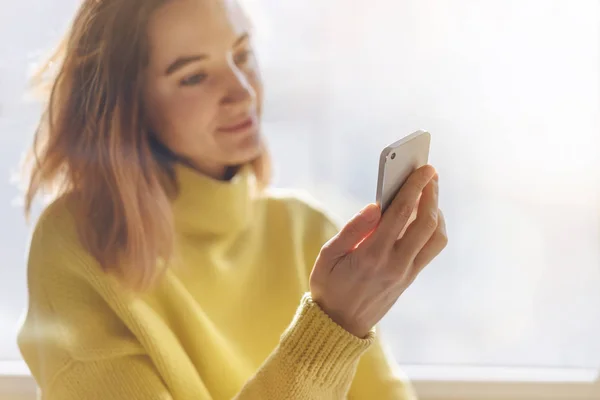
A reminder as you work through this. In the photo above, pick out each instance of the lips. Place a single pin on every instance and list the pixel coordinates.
(239, 126)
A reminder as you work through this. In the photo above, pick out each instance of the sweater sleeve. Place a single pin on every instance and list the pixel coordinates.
(78, 347)
(131, 377)
(378, 375)
(316, 359)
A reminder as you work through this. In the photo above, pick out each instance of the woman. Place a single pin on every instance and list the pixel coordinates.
(163, 269)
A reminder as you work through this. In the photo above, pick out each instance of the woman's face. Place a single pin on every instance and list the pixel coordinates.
(203, 90)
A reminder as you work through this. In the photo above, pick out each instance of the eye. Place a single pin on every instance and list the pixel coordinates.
(242, 57)
(193, 80)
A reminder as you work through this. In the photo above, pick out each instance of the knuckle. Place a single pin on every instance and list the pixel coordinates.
(430, 222)
(418, 181)
(355, 227)
(423, 177)
(442, 239)
(327, 249)
(439, 241)
(404, 211)
(351, 230)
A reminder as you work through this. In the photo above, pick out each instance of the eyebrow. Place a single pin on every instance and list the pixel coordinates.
(183, 61)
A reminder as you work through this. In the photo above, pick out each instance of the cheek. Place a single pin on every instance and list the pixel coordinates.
(192, 108)
(188, 115)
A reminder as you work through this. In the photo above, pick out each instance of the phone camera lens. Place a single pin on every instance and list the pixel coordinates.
(393, 156)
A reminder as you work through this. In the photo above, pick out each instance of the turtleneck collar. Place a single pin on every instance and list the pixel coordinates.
(206, 206)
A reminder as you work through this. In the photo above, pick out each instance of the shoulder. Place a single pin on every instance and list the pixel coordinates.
(54, 231)
(56, 221)
(55, 250)
(70, 310)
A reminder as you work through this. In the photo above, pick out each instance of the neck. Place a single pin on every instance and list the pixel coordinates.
(216, 172)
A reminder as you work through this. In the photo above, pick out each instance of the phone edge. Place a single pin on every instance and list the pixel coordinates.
(387, 150)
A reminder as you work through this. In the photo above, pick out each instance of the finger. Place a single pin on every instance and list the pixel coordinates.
(359, 227)
(435, 245)
(422, 229)
(398, 214)
(413, 217)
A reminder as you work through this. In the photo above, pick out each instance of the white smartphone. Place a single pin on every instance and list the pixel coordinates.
(397, 162)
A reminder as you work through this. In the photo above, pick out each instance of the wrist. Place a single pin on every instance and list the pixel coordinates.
(344, 322)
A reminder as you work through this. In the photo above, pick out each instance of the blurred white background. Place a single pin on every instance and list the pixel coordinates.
(510, 91)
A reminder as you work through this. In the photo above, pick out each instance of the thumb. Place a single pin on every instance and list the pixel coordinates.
(354, 232)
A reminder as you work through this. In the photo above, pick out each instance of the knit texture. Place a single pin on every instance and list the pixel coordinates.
(231, 318)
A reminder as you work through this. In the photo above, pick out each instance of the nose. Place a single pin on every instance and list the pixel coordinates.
(239, 93)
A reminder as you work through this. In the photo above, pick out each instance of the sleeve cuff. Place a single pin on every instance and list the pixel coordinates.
(320, 348)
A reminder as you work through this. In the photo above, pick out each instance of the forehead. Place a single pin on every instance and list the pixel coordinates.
(183, 27)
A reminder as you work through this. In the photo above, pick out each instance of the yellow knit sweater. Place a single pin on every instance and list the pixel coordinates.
(230, 320)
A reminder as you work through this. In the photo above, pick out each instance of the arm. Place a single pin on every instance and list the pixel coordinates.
(136, 378)
(130, 377)
(78, 346)
(316, 359)
(378, 375)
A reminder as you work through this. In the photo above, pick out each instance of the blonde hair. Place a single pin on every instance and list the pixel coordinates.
(93, 142)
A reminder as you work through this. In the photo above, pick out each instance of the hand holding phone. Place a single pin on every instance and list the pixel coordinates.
(361, 272)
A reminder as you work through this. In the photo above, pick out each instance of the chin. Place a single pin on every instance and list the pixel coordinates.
(245, 151)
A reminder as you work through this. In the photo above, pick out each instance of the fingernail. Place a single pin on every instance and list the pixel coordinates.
(436, 177)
